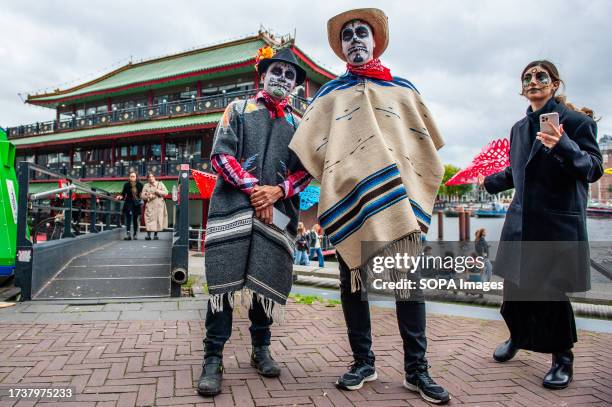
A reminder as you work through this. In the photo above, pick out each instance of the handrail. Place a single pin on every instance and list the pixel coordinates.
(40, 195)
(162, 109)
(73, 181)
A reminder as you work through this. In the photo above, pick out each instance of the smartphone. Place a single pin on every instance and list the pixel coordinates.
(546, 118)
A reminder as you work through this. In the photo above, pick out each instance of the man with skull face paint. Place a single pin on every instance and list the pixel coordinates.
(244, 250)
(371, 142)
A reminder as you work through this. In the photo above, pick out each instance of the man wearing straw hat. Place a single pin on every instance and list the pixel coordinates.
(370, 140)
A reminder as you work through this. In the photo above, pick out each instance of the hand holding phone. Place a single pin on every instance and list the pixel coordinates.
(550, 131)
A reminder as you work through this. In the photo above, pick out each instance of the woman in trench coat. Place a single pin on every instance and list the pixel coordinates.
(543, 253)
(156, 214)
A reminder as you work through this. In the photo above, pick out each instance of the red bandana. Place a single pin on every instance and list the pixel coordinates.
(276, 109)
(373, 69)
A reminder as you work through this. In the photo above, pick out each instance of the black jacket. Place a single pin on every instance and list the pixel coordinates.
(126, 193)
(549, 205)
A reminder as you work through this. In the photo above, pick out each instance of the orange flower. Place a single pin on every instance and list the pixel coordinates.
(264, 53)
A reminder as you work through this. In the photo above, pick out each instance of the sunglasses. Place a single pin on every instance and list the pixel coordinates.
(541, 78)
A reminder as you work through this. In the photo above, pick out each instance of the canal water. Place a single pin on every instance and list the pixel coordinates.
(598, 229)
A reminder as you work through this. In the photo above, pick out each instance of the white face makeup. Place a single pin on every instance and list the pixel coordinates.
(279, 80)
(357, 42)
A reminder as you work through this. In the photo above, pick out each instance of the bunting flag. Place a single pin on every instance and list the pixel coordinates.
(205, 182)
(493, 158)
(309, 197)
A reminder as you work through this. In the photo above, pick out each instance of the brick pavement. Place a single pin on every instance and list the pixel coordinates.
(144, 363)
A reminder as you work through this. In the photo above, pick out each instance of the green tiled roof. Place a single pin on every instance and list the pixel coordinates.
(207, 58)
(120, 129)
(180, 69)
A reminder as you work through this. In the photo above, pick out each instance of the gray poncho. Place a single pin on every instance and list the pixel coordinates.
(241, 251)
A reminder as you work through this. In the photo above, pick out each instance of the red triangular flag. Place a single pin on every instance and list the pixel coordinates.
(205, 182)
(493, 158)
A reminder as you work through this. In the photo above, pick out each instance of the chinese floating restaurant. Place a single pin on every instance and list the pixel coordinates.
(151, 116)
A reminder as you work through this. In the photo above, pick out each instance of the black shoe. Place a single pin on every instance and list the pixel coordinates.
(420, 381)
(263, 362)
(359, 372)
(561, 372)
(505, 351)
(209, 383)
(127, 237)
(155, 237)
(147, 237)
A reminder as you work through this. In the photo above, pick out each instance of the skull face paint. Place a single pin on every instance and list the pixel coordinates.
(279, 80)
(357, 42)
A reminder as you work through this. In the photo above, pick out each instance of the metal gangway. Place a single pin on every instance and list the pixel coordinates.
(57, 260)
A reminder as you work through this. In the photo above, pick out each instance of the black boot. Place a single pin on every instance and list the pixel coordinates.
(419, 380)
(209, 383)
(505, 351)
(263, 362)
(561, 372)
(148, 236)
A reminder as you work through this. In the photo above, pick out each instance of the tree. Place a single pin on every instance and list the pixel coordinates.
(454, 190)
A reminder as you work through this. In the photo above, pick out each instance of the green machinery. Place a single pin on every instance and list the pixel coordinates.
(9, 191)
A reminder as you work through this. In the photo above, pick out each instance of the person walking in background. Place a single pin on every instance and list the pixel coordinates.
(482, 249)
(301, 246)
(132, 207)
(543, 252)
(314, 241)
(156, 213)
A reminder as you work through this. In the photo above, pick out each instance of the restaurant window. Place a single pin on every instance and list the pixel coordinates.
(90, 111)
(153, 152)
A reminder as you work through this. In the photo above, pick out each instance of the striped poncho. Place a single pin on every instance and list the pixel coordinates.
(372, 144)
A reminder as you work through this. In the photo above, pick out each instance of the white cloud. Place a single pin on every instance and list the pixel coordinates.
(464, 56)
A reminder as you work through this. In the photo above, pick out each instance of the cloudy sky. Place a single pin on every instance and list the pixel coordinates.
(465, 56)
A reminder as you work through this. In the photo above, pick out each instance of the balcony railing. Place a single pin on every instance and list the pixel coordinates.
(121, 169)
(142, 113)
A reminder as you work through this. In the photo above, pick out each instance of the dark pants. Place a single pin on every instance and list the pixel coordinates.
(219, 327)
(131, 213)
(539, 326)
(410, 319)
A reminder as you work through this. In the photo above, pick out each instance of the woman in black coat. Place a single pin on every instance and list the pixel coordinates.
(133, 204)
(543, 251)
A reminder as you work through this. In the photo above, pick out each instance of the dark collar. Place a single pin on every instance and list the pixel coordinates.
(549, 107)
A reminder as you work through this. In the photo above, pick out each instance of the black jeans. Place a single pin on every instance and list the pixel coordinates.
(411, 321)
(219, 327)
(131, 213)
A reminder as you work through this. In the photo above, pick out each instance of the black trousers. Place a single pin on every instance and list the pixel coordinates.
(411, 321)
(219, 327)
(131, 213)
(539, 326)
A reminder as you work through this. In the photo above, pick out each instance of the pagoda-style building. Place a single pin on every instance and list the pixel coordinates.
(151, 116)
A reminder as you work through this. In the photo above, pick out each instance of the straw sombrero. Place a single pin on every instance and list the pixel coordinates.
(374, 17)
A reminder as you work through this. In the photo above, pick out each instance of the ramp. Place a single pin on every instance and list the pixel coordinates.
(118, 269)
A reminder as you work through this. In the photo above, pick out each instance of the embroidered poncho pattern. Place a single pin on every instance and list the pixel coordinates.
(373, 145)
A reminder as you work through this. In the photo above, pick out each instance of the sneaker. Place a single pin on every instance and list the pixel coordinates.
(135, 237)
(127, 237)
(420, 381)
(359, 372)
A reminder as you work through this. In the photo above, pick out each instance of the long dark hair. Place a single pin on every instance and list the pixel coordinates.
(554, 75)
